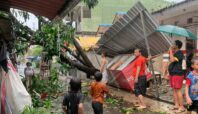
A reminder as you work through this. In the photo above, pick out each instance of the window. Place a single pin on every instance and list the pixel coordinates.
(176, 23)
(189, 20)
(162, 22)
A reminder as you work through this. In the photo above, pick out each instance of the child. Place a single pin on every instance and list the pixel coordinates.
(176, 75)
(103, 67)
(29, 73)
(73, 101)
(98, 89)
(192, 88)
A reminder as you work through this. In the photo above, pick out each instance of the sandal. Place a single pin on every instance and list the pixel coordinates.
(136, 105)
(141, 107)
(180, 110)
(173, 108)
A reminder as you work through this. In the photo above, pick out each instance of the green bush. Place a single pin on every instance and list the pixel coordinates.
(32, 110)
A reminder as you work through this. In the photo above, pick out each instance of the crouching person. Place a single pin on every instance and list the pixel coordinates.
(73, 100)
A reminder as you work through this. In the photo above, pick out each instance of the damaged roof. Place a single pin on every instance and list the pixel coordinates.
(47, 8)
(126, 34)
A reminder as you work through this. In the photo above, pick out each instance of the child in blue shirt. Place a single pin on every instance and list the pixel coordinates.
(192, 88)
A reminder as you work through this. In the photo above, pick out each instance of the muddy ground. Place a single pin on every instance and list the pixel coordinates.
(113, 105)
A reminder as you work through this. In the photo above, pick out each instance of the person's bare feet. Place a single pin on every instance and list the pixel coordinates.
(180, 110)
(141, 107)
(137, 105)
(174, 108)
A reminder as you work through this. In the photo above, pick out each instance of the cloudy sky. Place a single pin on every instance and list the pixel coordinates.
(175, 1)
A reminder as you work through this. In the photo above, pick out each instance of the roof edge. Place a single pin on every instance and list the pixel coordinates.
(171, 6)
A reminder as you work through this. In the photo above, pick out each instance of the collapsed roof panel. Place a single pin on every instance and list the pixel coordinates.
(127, 34)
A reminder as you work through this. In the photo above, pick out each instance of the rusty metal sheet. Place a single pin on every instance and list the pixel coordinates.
(127, 34)
(47, 8)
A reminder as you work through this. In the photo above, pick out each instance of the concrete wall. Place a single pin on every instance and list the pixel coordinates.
(179, 16)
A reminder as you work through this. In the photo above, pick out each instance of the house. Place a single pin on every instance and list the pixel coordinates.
(183, 14)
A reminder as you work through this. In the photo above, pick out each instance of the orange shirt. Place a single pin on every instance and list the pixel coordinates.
(139, 61)
(98, 89)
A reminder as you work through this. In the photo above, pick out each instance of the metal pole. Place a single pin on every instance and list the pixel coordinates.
(58, 45)
(96, 57)
(58, 41)
(149, 53)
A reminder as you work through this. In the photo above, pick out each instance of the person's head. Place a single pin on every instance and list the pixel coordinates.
(75, 84)
(103, 54)
(178, 44)
(194, 63)
(137, 52)
(98, 76)
(28, 64)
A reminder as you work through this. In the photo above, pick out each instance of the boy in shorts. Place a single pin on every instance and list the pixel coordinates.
(97, 90)
(73, 100)
(192, 88)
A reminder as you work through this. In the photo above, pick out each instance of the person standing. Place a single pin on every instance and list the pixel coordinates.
(176, 75)
(138, 73)
(192, 87)
(103, 68)
(97, 90)
(165, 63)
(73, 100)
(29, 73)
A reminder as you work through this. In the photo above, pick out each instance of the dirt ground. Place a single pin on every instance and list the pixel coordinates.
(113, 105)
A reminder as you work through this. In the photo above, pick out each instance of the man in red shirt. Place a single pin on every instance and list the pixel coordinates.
(138, 71)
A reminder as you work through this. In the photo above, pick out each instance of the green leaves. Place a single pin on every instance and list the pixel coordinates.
(4, 15)
(48, 37)
(31, 110)
(91, 3)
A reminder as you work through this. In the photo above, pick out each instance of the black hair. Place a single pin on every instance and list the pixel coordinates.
(138, 50)
(98, 76)
(28, 64)
(194, 60)
(178, 43)
(75, 84)
(104, 53)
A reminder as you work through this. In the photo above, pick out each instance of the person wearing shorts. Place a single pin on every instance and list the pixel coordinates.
(98, 89)
(138, 72)
(192, 87)
(176, 75)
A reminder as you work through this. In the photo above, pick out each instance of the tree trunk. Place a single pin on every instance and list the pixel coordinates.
(83, 55)
(88, 70)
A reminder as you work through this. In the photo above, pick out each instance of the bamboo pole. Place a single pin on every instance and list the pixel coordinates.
(149, 53)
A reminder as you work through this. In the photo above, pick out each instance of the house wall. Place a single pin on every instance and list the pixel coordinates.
(179, 16)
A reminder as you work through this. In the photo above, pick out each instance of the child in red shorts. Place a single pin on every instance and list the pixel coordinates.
(176, 75)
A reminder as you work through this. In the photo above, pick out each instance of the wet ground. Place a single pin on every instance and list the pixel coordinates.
(164, 90)
(113, 105)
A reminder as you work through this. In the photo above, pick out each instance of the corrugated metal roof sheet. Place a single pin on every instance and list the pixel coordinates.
(127, 34)
(47, 8)
(102, 29)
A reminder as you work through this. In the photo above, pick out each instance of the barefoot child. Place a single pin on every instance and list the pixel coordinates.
(29, 73)
(192, 88)
(73, 101)
(98, 90)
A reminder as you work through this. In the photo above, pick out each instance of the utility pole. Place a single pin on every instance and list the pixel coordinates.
(149, 53)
